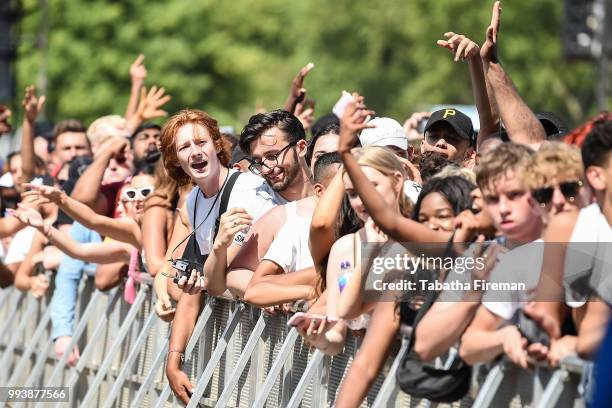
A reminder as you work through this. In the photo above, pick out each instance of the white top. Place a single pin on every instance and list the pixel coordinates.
(20, 245)
(588, 260)
(412, 189)
(290, 249)
(521, 265)
(250, 192)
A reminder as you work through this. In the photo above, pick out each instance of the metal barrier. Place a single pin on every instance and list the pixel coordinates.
(236, 357)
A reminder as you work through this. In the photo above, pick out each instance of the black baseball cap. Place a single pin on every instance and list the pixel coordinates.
(456, 119)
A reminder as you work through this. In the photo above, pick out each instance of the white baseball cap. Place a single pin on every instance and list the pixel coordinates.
(388, 132)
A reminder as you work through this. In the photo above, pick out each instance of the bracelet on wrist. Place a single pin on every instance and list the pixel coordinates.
(180, 353)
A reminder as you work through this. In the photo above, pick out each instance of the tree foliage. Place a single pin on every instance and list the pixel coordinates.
(229, 57)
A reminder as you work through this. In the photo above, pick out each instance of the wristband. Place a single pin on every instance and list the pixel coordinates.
(181, 354)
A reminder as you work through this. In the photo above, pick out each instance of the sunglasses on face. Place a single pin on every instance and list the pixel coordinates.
(569, 189)
(133, 194)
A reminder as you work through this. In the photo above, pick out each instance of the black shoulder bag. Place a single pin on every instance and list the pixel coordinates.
(423, 380)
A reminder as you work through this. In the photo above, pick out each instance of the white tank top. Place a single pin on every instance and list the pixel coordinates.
(588, 260)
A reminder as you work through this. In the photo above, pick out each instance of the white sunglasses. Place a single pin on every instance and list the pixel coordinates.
(133, 194)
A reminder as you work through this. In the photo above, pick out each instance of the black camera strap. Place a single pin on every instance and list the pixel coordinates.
(192, 251)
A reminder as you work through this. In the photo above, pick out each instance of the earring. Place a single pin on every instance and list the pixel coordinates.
(572, 199)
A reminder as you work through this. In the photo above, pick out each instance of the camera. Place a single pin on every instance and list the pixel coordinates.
(184, 268)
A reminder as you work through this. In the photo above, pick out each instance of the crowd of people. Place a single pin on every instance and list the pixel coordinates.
(290, 211)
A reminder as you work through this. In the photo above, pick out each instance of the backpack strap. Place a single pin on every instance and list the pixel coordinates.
(225, 196)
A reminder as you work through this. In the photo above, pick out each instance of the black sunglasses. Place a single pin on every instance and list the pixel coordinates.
(569, 189)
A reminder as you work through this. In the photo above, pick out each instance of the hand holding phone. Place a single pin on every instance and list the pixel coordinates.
(342, 103)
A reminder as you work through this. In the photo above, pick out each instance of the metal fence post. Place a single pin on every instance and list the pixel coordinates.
(315, 362)
(197, 332)
(7, 355)
(390, 385)
(216, 355)
(133, 353)
(283, 355)
(114, 349)
(490, 386)
(234, 377)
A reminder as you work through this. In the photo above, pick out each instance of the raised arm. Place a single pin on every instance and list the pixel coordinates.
(87, 188)
(396, 226)
(297, 91)
(324, 220)
(462, 48)
(120, 229)
(138, 73)
(522, 125)
(149, 107)
(31, 106)
(90, 252)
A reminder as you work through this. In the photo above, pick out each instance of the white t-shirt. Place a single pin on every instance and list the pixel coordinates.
(522, 265)
(250, 192)
(20, 245)
(290, 249)
(588, 261)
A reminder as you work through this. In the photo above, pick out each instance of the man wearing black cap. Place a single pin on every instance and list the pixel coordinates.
(449, 133)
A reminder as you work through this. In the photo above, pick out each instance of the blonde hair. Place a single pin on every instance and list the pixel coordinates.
(386, 162)
(554, 161)
(506, 157)
(448, 171)
(101, 128)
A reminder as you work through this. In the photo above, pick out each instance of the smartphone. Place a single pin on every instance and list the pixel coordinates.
(342, 103)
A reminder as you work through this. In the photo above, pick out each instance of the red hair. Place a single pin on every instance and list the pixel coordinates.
(168, 137)
(577, 136)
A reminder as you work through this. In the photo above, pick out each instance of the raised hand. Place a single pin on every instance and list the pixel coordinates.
(138, 71)
(352, 122)
(27, 216)
(31, 104)
(150, 103)
(488, 51)
(5, 114)
(49, 193)
(411, 125)
(460, 46)
(297, 91)
(116, 145)
(305, 112)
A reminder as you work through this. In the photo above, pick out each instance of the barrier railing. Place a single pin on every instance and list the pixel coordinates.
(236, 357)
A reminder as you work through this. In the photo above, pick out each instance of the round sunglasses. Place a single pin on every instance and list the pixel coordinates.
(133, 194)
(569, 189)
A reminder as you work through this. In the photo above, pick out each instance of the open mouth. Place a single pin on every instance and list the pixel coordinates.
(199, 165)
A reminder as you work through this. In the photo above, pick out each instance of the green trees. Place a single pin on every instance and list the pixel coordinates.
(227, 57)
